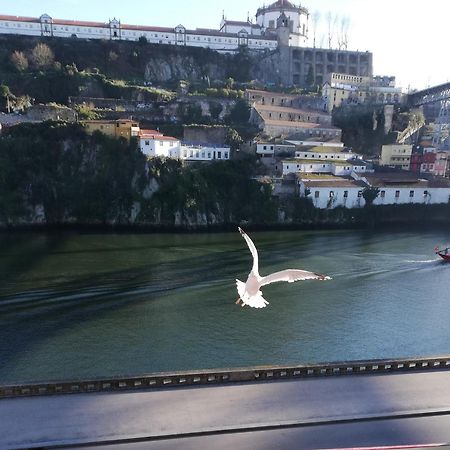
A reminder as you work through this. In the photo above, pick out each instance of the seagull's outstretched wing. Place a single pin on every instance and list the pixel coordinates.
(291, 275)
(252, 248)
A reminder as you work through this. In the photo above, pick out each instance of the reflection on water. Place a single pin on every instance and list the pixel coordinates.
(84, 305)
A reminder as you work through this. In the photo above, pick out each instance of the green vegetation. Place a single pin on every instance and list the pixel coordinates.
(370, 194)
(54, 173)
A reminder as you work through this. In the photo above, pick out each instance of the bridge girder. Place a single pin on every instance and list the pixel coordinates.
(431, 95)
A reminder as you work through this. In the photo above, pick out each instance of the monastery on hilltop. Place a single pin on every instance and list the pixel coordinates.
(282, 26)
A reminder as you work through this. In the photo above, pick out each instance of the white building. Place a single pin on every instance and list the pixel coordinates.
(342, 89)
(153, 144)
(191, 152)
(297, 16)
(396, 155)
(397, 189)
(271, 24)
(328, 191)
(338, 168)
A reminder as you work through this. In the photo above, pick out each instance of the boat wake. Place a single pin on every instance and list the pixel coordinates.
(422, 261)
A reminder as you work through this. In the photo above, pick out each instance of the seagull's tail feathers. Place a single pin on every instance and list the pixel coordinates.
(254, 301)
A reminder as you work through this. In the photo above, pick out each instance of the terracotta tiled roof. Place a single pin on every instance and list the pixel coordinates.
(147, 28)
(155, 135)
(19, 18)
(80, 23)
(289, 123)
(241, 23)
(150, 133)
(288, 109)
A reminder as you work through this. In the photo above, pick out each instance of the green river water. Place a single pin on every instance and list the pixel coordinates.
(81, 305)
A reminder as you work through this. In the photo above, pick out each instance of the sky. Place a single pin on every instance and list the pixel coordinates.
(408, 39)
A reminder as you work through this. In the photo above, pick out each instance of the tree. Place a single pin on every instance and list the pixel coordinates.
(343, 34)
(42, 56)
(215, 108)
(143, 40)
(6, 95)
(240, 113)
(229, 83)
(332, 22)
(370, 194)
(233, 139)
(315, 24)
(310, 76)
(19, 61)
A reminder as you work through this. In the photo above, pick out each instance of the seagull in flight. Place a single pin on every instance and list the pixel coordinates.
(250, 293)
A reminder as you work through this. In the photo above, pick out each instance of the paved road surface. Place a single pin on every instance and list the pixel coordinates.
(360, 410)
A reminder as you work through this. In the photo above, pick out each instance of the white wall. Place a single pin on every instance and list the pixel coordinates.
(435, 195)
(158, 147)
(325, 200)
(342, 156)
(216, 41)
(353, 200)
(200, 153)
(322, 167)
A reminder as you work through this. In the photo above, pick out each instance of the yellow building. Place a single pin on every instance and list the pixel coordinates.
(346, 89)
(396, 155)
(343, 88)
(125, 128)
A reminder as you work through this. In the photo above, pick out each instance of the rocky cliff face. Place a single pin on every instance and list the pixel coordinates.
(182, 67)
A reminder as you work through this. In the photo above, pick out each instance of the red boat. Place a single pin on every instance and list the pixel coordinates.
(444, 253)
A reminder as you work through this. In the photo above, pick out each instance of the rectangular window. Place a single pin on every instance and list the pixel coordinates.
(331, 194)
(316, 194)
(411, 193)
(397, 194)
(147, 142)
(425, 193)
(359, 194)
(345, 194)
(383, 194)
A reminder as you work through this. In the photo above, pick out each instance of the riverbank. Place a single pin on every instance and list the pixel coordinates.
(379, 217)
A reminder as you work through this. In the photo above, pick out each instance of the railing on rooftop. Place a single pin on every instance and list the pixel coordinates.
(221, 376)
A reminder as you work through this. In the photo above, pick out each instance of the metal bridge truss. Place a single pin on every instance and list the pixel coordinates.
(441, 137)
(431, 95)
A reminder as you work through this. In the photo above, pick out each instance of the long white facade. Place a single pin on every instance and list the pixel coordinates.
(114, 30)
(204, 153)
(314, 166)
(332, 192)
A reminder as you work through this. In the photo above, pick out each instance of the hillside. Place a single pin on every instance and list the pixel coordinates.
(125, 60)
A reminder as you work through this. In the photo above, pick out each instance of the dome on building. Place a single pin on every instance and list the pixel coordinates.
(281, 5)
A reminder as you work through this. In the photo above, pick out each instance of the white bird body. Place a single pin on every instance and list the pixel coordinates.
(250, 292)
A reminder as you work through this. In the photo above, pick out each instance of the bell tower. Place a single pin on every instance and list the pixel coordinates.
(283, 30)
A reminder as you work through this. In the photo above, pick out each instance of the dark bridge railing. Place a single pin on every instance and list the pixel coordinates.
(211, 377)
